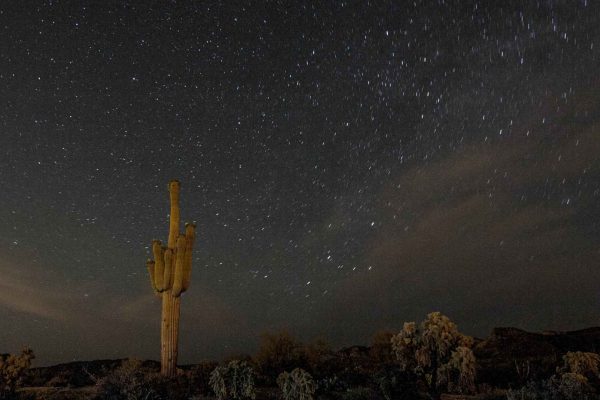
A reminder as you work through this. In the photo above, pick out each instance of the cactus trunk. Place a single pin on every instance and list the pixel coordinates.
(169, 275)
(169, 334)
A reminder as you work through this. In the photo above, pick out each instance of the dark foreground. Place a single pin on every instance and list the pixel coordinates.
(508, 359)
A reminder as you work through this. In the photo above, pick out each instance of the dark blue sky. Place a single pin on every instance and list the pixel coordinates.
(350, 165)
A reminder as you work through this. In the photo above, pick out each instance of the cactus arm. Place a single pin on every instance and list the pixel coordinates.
(174, 216)
(178, 275)
(150, 265)
(168, 276)
(159, 269)
(190, 236)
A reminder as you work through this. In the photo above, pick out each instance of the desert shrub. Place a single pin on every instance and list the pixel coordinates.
(129, 382)
(317, 357)
(381, 347)
(572, 386)
(61, 379)
(574, 380)
(181, 386)
(332, 384)
(387, 383)
(359, 393)
(458, 374)
(12, 371)
(394, 383)
(297, 385)
(354, 366)
(582, 363)
(279, 352)
(578, 377)
(569, 387)
(234, 381)
(199, 377)
(405, 345)
(485, 391)
(437, 353)
(530, 391)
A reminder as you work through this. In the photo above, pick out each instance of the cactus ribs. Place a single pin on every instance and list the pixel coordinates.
(170, 273)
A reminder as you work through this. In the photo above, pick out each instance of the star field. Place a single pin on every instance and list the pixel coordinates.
(350, 165)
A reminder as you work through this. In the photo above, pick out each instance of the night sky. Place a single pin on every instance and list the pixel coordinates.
(350, 165)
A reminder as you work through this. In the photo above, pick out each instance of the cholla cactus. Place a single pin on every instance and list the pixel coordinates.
(12, 371)
(573, 386)
(437, 352)
(582, 363)
(572, 380)
(460, 370)
(297, 385)
(217, 382)
(405, 344)
(234, 381)
(439, 336)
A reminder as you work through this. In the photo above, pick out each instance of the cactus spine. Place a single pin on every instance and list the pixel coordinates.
(170, 273)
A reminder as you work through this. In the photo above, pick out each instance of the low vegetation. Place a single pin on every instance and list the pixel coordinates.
(12, 371)
(297, 385)
(437, 354)
(130, 381)
(235, 381)
(429, 360)
(578, 378)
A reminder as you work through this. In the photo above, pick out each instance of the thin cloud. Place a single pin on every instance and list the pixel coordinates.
(473, 235)
(21, 292)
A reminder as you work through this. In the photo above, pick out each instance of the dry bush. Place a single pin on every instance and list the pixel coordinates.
(579, 376)
(405, 345)
(567, 387)
(234, 381)
(129, 382)
(12, 371)
(297, 385)
(438, 353)
(573, 386)
(577, 379)
(199, 377)
(381, 347)
(459, 373)
(317, 358)
(582, 363)
(279, 352)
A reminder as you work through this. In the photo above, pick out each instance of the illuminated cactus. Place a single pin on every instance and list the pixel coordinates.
(170, 273)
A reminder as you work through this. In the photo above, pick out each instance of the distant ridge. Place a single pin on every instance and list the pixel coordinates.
(507, 347)
(497, 356)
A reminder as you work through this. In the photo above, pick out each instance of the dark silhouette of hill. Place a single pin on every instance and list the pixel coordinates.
(536, 355)
(507, 358)
(76, 373)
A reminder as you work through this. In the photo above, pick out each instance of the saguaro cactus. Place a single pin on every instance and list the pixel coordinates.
(170, 273)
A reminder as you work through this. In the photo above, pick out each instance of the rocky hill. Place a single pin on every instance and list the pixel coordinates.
(511, 356)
